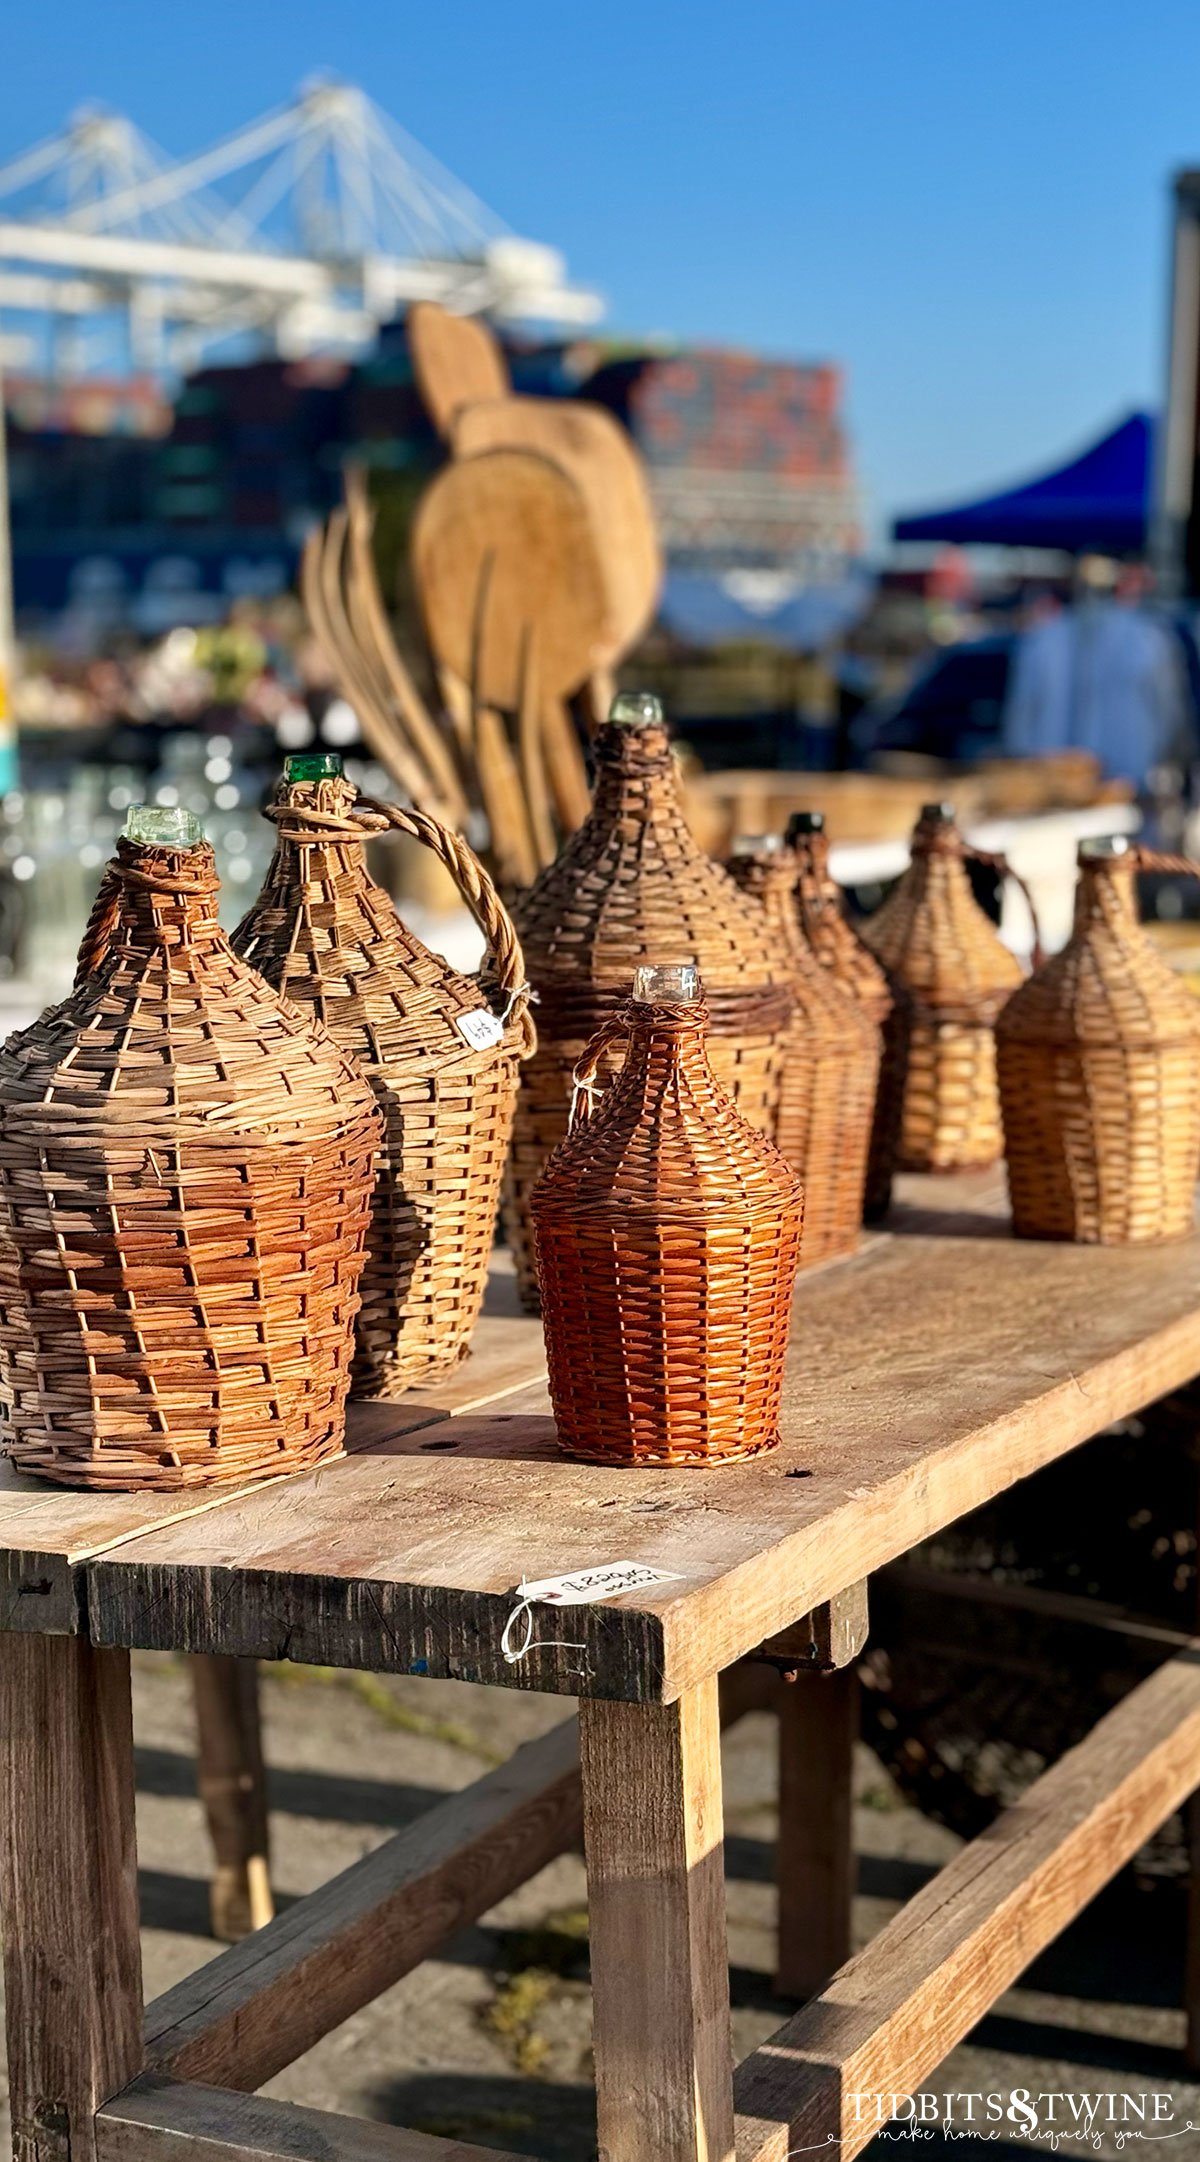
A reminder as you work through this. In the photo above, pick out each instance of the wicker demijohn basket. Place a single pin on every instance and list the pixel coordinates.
(632, 888)
(443, 1066)
(830, 1065)
(826, 929)
(932, 935)
(667, 1234)
(186, 1167)
(1099, 1059)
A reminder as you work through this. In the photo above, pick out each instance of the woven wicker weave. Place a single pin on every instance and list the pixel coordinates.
(830, 1066)
(821, 914)
(1099, 1059)
(934, 938)
(632, 887)
(667, 1233)
(443, 1067)
(185, 1176)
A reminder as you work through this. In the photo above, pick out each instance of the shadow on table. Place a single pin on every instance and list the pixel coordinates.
(520, 2116)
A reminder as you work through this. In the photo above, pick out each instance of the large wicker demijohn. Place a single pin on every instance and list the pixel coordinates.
(632, 888)
(442, 1064)
(830, 1064)
(667, 1232)
(186, 1167)
(932, 935)
(828, 932)
(1099, 1058)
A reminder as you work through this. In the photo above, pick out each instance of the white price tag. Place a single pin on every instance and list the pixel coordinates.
(481, 1029)
(600, 1583)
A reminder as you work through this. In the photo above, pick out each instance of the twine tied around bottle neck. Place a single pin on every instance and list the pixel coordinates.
(128, 884)
(671, 1019)
(939, 837)
(306, 825)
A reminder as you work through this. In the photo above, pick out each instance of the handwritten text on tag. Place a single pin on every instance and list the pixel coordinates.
(480, 1029)
(603, 1582)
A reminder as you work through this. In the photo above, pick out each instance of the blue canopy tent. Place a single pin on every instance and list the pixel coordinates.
(1098, 503)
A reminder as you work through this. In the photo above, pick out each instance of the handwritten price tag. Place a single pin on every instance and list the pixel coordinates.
(604, 1582)
(480, 1029)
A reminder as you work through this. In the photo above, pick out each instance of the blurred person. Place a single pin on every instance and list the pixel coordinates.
(1107, 675)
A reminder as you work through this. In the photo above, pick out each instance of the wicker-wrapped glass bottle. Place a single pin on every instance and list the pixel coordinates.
(186, 1165)
(442, 1064)
(632, 888)
(830, 1064)
(828, 932)
(932, 935)
(667, 1233)
(1099, 1061)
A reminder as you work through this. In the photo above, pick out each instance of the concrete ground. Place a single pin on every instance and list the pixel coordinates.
(491, 2042)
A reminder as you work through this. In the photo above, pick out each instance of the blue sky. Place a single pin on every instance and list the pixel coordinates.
(966, 205)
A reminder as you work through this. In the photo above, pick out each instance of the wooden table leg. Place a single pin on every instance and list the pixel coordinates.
(231, 1778)
(818, 1724)
(656, 1897)
(68, 1886)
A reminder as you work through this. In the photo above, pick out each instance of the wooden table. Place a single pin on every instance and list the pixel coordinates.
(934, 1369)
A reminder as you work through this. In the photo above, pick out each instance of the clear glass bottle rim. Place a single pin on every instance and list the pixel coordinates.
(160, 825)
(675, 984)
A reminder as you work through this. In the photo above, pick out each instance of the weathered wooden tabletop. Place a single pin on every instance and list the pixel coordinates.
(925, 1374)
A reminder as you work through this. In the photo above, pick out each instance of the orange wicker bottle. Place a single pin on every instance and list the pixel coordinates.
(830, 1064)
(821, 914)
(443, 1066)
(667, 1233)
(933, 936)
(1099, 1059)
(630, 888)
(186, 1167)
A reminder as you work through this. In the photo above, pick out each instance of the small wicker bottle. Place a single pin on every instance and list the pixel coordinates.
(830, 1064)
(443, 1066)
(1099, 1059)
(186, 1166)
(826, 929)
(631, 888)
(667, 1233)
(932, 935)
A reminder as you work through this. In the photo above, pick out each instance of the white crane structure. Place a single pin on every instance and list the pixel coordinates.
(299, 234)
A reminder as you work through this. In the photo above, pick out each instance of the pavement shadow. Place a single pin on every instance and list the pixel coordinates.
(519, 2116)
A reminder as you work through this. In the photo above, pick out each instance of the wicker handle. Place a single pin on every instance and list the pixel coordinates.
(101, 924)
(585, 1091)
(1005, 869)
(1153, 859)
(481, 897)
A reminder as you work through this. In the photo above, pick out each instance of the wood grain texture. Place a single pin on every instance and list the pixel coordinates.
(232, 1784)
(893, 2013)
(924, 1376)
(68, 1890)
(656, 1900)
(159, 2120)
(242, 2018)
(499, 542)
(595, 452)
(814, 1860)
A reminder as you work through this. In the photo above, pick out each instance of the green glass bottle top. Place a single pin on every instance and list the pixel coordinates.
(636, 709)
(158, 825)
(313, 766)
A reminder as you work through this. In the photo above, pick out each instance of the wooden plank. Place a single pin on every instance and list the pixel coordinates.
(832, 1636)
(891, 2016)
(924, 1377)
(232, 1784)
(656, 1903)
(68, 1890)
(814, 1863)
(159, 2120)
(242, 2018)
